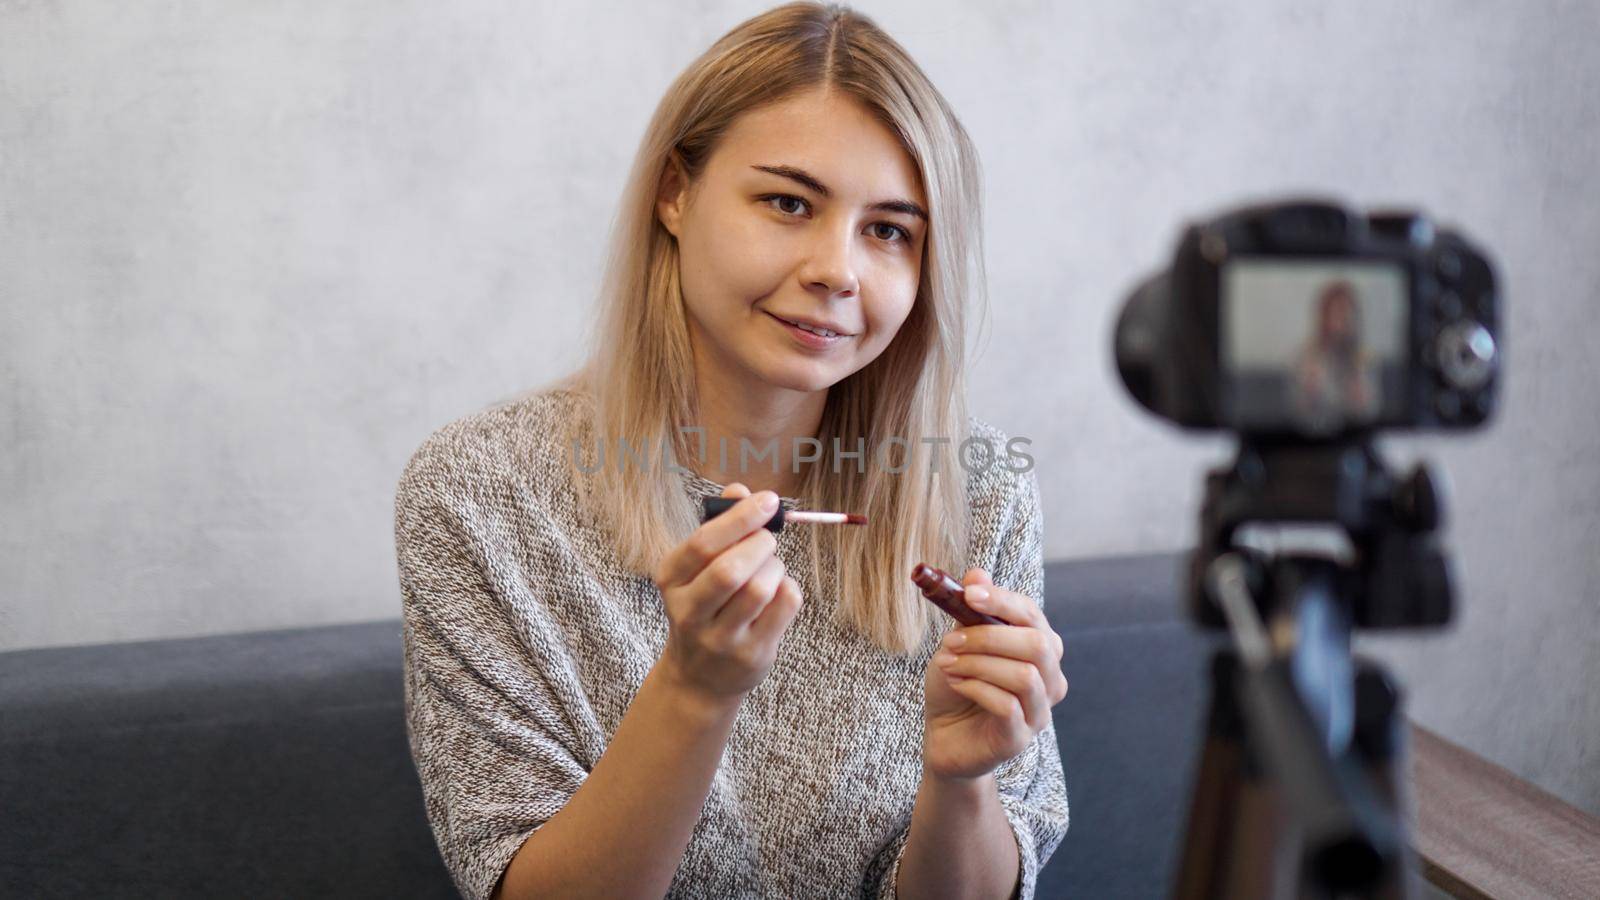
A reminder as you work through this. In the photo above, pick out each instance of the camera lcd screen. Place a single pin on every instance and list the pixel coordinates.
(1313, 346)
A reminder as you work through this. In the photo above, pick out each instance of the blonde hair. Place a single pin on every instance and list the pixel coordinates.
(640, 372)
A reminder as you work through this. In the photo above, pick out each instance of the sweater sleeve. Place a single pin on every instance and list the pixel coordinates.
(487, 734)
(1031, 784)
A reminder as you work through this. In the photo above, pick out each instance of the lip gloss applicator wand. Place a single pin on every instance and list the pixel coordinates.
(716, 506)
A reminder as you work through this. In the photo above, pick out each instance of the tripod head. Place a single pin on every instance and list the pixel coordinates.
(1399, 576)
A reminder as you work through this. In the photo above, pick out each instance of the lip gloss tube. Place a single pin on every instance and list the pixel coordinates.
(711, 507)
(948, 594)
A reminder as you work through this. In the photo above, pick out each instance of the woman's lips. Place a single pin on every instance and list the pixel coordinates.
(809, 338)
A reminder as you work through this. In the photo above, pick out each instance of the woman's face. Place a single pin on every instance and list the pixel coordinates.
(1337, 314)
(788, 222)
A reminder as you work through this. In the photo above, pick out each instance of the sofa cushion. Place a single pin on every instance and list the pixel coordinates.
(1131, 725)
(247, 765)
(275, 764)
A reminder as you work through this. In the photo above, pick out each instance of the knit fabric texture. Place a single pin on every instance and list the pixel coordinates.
(525, 641)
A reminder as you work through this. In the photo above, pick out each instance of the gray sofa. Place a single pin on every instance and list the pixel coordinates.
(275, 764)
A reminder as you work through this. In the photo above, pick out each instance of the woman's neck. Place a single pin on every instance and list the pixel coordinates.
(768, 420)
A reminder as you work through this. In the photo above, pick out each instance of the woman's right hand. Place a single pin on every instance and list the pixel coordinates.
(728, 600)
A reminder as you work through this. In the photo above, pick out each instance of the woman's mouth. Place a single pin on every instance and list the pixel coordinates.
(808, 337)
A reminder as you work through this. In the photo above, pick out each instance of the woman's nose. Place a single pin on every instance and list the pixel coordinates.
(832, 264)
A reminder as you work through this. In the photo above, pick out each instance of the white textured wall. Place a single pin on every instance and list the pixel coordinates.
(251, 253)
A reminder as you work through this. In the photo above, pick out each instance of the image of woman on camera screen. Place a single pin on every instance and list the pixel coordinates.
(1336, 378)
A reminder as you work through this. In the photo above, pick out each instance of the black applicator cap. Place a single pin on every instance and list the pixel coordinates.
(716, 506)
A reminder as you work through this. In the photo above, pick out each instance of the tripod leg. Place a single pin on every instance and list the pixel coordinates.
(1380, 740)
(1206, 843)
(1206, 840)
(1233, 845)
(1265, 862)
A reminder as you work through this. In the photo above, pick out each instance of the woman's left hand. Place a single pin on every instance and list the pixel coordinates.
(989, 688)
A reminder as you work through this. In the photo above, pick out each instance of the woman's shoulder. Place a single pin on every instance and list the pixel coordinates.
(1002, 487)
(514, 444)
(1007, 522)
(999, 465)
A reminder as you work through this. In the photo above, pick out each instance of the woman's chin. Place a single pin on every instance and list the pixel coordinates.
(805, 377)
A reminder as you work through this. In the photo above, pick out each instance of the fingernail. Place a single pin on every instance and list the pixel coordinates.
(954, 639)
(976, 594)
(944, 658)
(769, 501)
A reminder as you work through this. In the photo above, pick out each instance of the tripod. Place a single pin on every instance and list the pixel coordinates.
(1301, 780)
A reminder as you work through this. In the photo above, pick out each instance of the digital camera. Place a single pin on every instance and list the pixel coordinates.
(1303, 320)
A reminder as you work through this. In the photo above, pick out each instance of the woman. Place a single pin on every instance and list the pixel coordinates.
(1336, 380)
(607, 697)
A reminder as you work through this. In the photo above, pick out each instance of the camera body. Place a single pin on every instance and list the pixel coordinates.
(1303, 320)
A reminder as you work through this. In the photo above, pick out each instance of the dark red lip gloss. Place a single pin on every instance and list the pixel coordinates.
(948, 594)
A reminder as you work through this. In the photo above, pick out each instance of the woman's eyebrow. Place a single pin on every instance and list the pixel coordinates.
(803, 177)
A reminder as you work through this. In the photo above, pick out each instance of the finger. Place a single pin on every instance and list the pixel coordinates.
(1019, 679)
(1014, 607)
(736, 489)
(775, 619)
(1035, 645)
(997, 702)
(976, 576)
(1041, 649)
(687, 560)
(727, 574)
(1030, 645)
(748, 601)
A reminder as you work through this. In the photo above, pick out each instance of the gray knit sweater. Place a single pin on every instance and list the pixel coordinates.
(525, 642)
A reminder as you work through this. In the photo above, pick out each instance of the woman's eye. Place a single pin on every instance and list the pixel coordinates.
(782, 199)
(894, 234)
(893, 230)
